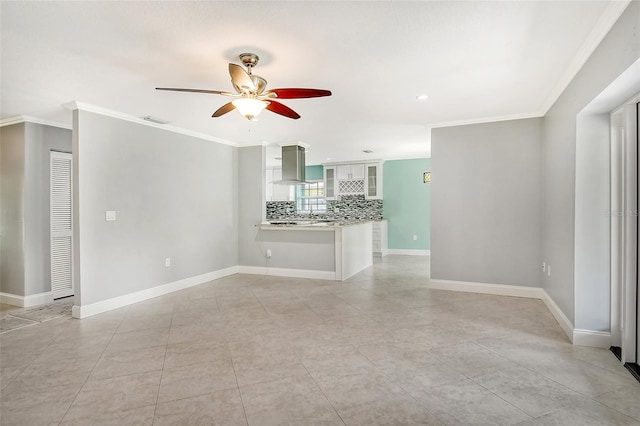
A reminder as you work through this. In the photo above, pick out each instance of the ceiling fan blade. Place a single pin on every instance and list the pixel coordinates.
(298, 93)
(241, 79)
(281, 109)
(212, 92)
(224, 109)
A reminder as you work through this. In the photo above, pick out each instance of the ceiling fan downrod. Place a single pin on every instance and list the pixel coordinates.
(249, 60)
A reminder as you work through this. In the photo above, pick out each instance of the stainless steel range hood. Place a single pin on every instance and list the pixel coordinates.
(293, 165)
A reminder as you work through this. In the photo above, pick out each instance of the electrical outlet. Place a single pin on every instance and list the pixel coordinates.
(167, 261)
(110, 215)
(415, 238)
(268, 253)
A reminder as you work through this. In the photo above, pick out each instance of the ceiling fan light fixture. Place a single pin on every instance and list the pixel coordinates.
(251, 97)
(249, 107)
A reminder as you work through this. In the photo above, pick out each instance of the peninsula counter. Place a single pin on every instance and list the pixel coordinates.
(323, 250)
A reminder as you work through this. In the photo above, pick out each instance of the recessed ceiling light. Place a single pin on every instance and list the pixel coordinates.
(422, 97)
(367, 151)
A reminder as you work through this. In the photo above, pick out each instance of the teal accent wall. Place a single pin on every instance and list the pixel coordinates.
(407, 203)
(313, 173)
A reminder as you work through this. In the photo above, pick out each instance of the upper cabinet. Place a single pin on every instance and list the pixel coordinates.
(373, 181)
(350, 171)
(330, 182)
(353, 179)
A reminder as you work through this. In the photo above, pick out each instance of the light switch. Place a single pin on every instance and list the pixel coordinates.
(110, 215)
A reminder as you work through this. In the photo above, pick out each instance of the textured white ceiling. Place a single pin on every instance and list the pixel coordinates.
(477, 61)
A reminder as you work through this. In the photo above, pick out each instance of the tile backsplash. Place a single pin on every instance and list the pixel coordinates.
(348, 207)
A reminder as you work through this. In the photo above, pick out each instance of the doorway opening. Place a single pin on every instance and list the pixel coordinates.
(625, 333)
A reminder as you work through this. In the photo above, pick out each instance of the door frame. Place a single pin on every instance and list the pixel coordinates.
(624, 230)
(66, 156)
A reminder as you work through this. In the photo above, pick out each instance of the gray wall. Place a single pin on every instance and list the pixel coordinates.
(485, 203)
(174, 196)
(618, 50)
(315, 250)
(12, 152)
(40, 140)
(26, 248)
(251, 204)
(307, 250)
(592, 226)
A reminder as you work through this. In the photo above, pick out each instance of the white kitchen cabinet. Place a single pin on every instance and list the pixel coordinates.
(350, 171)
(379, 238)
(359, 178)
(373, 181)
(276, 192)
(330, 190)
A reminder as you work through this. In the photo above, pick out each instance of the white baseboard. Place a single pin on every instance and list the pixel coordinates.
(485, 288)
(139, 296)
(518, 291)
(565, 323)
(596, 339)
(286, 272)
(410, 252)
(26, 301)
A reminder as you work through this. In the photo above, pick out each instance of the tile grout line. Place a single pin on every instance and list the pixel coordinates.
(317, 385)
(23, 369)
(502, 399)
(582, 395)
(88, 375)
(164, 359)
(244, 410)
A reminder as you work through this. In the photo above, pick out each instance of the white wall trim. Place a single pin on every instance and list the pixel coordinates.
(485, 288)
(565, 323)
(286, 272)
(26, 301)
(29, 119)
(607, 20)
(513, 291)
(139, 296)
(599, 31)
(410, 252)
(482, 120)
(596, 339)
(75, 105)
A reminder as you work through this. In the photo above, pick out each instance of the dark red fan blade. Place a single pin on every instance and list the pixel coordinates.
(281, 109)
(213, 92)
(224, 109)
(299, 93)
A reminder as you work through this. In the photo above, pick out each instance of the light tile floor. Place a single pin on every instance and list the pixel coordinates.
(381, 348)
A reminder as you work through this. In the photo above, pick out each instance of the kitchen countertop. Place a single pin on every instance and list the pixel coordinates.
(310, 225)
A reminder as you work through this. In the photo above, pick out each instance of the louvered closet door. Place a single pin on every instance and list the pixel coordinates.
(61, 224)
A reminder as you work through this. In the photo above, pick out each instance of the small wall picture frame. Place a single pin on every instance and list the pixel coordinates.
(426, 177)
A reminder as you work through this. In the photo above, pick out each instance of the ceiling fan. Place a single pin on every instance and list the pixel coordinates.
(251, 97)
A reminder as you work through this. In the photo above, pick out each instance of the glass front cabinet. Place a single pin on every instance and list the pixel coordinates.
(373, 181)
(330, 182)
(353, 179)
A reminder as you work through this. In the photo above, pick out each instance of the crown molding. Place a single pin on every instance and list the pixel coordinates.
(487, 120)
(75, 105)
(29, 119)
(607, 20)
